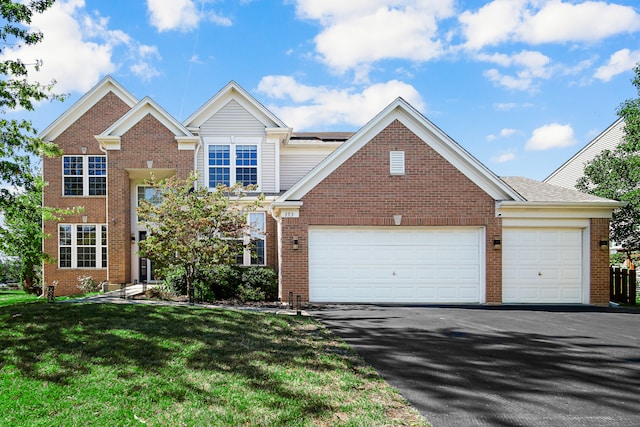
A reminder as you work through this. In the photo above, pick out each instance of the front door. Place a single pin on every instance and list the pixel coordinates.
(146, 270)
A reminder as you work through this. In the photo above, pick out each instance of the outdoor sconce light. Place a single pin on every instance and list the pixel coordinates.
(84, 218)
(84, 150)
(133, 238)
(604, 245)
(397, 219)
(149, 164)
(295, 242)
(497, 243)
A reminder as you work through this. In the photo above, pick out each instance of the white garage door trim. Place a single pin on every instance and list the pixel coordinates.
(548, 265)
(397, 264)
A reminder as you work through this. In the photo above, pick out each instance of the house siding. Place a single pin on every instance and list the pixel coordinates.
(233, 120)
(568, 174)
(361, 192)
(296, 163)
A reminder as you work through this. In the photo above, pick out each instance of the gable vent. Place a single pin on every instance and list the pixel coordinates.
(396, 162)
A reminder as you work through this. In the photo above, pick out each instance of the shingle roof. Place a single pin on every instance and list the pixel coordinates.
(536, 191)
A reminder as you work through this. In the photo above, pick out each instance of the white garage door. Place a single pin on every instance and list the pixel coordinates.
(542, 265)
(396, 265)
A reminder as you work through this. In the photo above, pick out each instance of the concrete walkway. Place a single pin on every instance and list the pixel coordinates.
(115, 297)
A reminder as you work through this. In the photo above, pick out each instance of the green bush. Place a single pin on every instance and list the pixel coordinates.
(86, 284)
(161, 292)
(224, 282)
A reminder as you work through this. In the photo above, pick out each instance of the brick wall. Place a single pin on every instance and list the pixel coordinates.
(79, 134)
(599, 293)
(147, 140)
(361, 192)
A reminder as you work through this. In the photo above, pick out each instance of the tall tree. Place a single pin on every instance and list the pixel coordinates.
(21, 234)
(190, 230)
(18, 139)
(615, 174)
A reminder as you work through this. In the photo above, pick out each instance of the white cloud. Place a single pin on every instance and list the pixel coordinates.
(538, 22)
(322, 107)
(78, 48)
(504, 133)
(551, 136)
(532, 66)
(358, 33)
(504, 157)
(619, 62)
(182, 15)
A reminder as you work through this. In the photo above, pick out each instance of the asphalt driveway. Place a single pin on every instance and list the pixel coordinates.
(502, 366)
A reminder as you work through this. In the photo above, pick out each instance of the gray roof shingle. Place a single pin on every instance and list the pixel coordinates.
(536, 191)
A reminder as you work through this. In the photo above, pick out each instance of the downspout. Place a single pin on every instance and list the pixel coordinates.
(106, 209)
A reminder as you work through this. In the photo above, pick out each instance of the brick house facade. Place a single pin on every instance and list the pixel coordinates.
(398, 179)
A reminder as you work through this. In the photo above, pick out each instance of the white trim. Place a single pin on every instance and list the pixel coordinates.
(400, 110)
(88, 100)
(232, 142)
(556, 210)
(233, 91)
(147, 106)
(74, 245)
(85, 175)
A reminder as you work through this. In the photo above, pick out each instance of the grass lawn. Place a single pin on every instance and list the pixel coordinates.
(14, 297)
(127, 365)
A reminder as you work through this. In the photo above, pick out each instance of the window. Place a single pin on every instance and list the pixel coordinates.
(257, 236)
(254, 241)
(243, 168)
(82, 246)
(84, 175)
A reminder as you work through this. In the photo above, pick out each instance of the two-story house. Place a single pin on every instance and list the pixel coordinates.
(396, 212)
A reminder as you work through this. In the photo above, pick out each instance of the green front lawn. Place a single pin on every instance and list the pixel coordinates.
(14, 297)
(128, 365)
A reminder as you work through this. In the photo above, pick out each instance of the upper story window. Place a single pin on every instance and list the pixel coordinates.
(232, 163)
(84, 175)
(149, 195)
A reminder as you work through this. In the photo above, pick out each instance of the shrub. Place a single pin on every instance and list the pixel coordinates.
(258, 284)
(161, 292)
(87, 284)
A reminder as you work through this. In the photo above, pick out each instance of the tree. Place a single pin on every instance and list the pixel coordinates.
(190, 230)
(615, 174)
(22, 234)
(18, 139)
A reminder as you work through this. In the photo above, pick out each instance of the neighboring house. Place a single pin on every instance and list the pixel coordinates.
(568, 174)
(396, 213)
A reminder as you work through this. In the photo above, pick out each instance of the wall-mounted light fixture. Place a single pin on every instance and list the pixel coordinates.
(604, 244)
(84, 218)
(133, 238)
(149, 164)
(84, 150)
(397, 219)
(295, 242)
(497, 242)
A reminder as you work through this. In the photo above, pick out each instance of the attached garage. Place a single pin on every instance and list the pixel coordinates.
(396, 264)
(543, 265)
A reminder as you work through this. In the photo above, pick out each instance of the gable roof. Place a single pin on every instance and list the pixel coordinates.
(88, 100)
(429, 133)
(233, 91)
(569, 172)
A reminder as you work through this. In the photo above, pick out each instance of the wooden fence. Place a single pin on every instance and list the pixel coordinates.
(622, 285)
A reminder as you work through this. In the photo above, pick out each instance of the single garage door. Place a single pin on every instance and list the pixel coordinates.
(396, 264)
(542, 265)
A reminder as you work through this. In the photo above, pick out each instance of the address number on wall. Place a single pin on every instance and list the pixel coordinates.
(290, 214)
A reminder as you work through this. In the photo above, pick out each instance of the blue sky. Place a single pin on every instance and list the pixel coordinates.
(521, 85)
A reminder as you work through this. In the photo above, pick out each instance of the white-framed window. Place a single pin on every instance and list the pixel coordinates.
(148, 194)
(84, 175)
(231, 163)
(82, 246)
(255, 241)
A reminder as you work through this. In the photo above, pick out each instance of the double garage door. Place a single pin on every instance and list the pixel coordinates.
(396, 264)
(442, 265)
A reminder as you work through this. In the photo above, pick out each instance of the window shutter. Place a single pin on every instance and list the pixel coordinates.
(396, 162)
